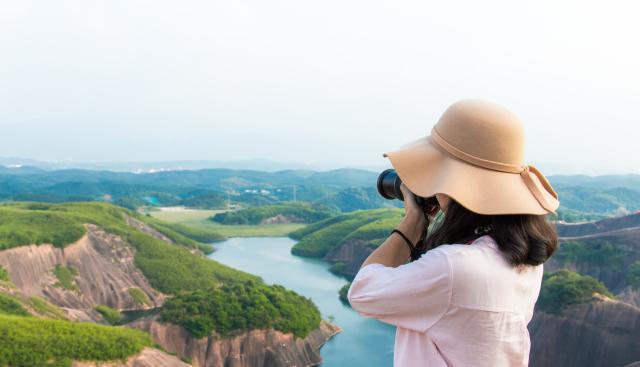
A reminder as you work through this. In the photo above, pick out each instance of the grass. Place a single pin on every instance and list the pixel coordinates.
(10, 305)
(34, 342)
(110, 315)
(16, 227)
(139, 297)
(46, 309)
(4, 274)
(65, 275)
(198, 220)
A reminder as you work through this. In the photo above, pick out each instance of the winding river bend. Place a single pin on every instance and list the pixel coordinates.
(362, 343)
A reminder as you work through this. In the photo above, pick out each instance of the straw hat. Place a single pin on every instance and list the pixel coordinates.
(475, 155)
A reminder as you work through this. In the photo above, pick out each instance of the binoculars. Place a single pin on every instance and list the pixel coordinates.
(389, 188)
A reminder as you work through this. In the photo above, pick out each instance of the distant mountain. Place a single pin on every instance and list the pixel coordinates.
(159, 166)
(582, 198)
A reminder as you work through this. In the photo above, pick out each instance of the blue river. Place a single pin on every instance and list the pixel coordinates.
(362, 342)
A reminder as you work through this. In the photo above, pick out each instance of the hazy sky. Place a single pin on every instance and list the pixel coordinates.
(330, 83)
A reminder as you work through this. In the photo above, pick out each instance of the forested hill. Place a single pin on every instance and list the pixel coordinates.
(344, 189)
(581, 197)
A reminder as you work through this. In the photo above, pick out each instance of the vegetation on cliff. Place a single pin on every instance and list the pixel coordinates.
(614, 263)
(174, 270)
(18, 226)
(242, 306)
(65, 276)
(343, 294)
(633, 275)
(368, 226)
(565, 288)
(292, 212)
(34, 342)
(110, 315)
(11, 306)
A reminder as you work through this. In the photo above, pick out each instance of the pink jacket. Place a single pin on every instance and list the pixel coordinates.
(458, 305)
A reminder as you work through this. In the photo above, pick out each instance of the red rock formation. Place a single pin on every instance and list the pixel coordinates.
(106, 272)
(149, 357)
(256, 348)
(601, 333)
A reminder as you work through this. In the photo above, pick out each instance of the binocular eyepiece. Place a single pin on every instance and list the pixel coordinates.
(389, 188)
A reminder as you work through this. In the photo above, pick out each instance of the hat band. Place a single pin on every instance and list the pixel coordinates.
(525, 171)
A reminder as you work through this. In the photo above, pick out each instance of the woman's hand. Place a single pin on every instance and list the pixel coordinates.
(415, 220)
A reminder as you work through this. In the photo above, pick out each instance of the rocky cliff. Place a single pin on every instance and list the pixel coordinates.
(257, 348)
(104, 268)
(349, 256)
(149, 357)
(601, 333)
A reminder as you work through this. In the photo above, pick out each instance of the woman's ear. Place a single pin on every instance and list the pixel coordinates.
(443, 201)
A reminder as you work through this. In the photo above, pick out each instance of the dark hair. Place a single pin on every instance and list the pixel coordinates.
(522, 238)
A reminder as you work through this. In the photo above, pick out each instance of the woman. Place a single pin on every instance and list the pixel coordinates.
(467, 300)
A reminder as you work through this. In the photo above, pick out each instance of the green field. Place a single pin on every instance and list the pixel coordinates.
(199, 219)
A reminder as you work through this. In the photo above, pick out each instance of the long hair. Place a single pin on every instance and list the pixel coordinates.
(522, 238)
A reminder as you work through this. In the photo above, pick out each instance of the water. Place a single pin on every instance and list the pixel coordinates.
(362, 342)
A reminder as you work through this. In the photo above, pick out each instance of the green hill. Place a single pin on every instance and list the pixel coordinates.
(370, 226)
(171, 269)
(287, 212)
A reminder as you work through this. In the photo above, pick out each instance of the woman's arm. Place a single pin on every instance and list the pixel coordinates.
(394, 250)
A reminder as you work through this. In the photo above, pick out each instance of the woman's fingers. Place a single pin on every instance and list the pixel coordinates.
(409, 199)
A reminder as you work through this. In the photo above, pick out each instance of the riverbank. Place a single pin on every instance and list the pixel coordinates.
(199, 219)
(362, 342)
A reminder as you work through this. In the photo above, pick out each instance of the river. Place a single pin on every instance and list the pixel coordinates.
(362, 343)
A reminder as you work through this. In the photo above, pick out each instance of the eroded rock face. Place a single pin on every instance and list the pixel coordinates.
(601, 333)
(256, 348)
(281, 219)
(105, 267)
(352, 254)
(149, 357)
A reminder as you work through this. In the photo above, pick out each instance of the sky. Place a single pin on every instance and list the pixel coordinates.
(328, 83)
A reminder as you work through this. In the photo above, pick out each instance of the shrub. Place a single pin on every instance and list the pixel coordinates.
(11, 306)
(4, 274)
(343, 292)
(33, 342)
(633, 275)
(139, 297)
(46, 309)
(65, 275)
(565, 288)
(603, 254)
(110, 315)
(242, 306)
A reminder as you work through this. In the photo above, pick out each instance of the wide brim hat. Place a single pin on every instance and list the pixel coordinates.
(475, 154)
